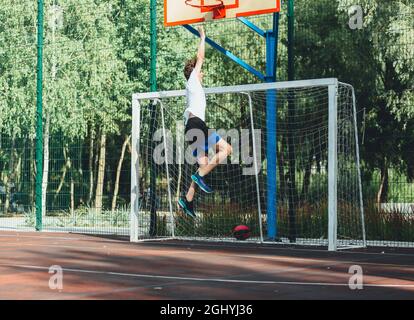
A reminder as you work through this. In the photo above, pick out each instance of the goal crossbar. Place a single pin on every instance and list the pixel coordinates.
(242, 88)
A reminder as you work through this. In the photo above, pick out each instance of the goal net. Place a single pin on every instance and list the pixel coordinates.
(293, 177)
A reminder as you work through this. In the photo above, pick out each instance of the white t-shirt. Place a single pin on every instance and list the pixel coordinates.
(196, 98)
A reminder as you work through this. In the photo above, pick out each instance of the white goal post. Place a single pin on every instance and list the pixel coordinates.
(301, 138)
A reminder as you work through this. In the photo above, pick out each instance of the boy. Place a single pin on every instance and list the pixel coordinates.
(196, 130)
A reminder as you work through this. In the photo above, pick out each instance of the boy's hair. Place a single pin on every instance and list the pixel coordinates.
(189, 67)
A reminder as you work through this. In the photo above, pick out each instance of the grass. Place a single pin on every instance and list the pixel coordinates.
(82, 217)
(390, 225)
(30, 218)
(219, 220)
(311, 222)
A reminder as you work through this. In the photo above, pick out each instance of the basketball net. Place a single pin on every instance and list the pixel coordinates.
(218, 8)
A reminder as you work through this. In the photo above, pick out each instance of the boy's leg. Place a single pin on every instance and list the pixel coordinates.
(224, 150)
(191, 192)
(202, 162)
(187, 203)
(198, 179)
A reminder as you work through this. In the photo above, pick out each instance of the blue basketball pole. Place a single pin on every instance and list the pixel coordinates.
(271, 127)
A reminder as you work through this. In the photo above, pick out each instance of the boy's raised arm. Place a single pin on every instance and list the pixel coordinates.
(201, 50)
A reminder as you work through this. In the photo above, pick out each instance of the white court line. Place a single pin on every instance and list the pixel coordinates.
(237, 281)
(321, 262)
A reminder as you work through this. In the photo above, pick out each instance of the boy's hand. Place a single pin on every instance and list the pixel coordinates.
(202, 33)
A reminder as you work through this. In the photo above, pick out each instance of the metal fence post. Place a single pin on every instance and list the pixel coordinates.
(39, 116)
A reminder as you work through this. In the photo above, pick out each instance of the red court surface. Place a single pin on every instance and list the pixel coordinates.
(96, 267)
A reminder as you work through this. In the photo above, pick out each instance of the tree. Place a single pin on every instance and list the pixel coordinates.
(17, 89)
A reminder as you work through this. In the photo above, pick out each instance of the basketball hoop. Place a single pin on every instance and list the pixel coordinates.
(218, 9)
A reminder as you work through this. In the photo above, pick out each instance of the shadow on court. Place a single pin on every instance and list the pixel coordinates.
(100, 267)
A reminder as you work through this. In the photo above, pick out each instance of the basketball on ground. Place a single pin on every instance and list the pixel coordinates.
(241, 232)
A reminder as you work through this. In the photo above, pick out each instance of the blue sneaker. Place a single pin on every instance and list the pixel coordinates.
(187, 207)
(201, 183)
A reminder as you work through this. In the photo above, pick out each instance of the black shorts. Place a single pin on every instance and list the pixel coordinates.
(199, 134)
